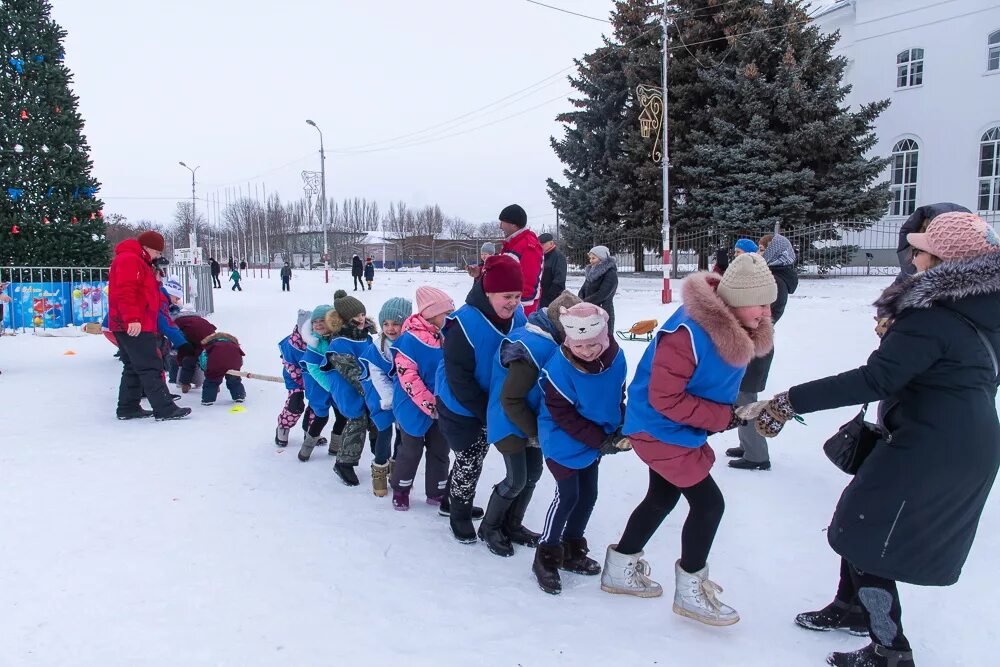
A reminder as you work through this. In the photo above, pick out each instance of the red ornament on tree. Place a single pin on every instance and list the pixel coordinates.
(45, 220)
(92, 216)
(58, 109)
(100, 214)
(74, 220)
(15, 230)
(24, 115)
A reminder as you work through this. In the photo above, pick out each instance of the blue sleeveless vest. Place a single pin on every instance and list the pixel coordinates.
(349, 402)
(540, 348)
(596, 397)
(372, 357)
(411, 418)
(485, 341)
(317, 387)
(713, 380)
(291, 355)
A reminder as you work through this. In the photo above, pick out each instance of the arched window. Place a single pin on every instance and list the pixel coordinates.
(993, 52)
(904, 178)
(909, 68)
(989, 170)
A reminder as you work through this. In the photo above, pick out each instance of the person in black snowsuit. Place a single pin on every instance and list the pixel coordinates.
(911, 512)
(216, 270)
(369, 272)
(286, 278)
(358, 272)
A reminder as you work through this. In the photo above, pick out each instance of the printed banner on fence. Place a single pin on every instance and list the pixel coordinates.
(55, 305)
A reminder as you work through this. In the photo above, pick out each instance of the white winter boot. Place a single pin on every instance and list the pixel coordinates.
(628, 575)
(695, 598)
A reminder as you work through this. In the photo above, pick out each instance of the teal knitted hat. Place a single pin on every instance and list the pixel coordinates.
(319, 312)
(395, 309)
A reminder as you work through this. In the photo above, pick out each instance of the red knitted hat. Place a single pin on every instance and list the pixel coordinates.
(953, 236)
(152, 240)
(502, 273)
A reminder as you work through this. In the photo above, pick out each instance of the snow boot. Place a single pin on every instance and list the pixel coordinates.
(308, 442)
(628, 575)
(335, 441)
(838, 615)
(735, 452)
(491, 531)
(207, 403)
(512, 526)
(401, 500)
(346, 473)
(380, 479)
(177, 413)
(694, 597)
(548, 558)
(872, 655)
(444, 508)
(575, 558)
(281, 436)
(460, 519)
(137, 413)
(743, 464)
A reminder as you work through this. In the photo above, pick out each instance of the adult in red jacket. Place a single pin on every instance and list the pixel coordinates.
(522, 244)
(133, 304)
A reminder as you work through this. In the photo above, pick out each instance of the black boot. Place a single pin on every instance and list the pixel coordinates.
(460, 519)
(548, 558)
(346, 473)
(444, 508)
(838, 615)
(512, 526)
(135, 413)
(491, 531)
(872, 655)
(176, 413)
(575, 557)
(735, 452)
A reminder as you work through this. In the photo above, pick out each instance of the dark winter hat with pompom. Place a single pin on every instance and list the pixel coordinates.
(346, 306)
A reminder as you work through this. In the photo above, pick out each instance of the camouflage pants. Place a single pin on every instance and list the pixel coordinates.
(355, 432)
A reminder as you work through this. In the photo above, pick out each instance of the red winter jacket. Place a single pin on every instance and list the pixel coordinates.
(133, 291)
(523, 246)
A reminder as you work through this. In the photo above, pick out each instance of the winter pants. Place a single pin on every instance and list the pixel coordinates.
(215, 280)
(142, 374)
(383, 446)
(435, 464)
(753, 443)
(210, 389)
(466, 437)
(569, 513)
(358, 280)
(369, 284)
(353, 441)
(702, 523)
(880, 600)
(524, 469)
(172, 368)
(295, 405)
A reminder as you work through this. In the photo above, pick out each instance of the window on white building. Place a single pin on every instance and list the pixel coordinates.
(993, 55)
(989, 171)
(904, 178)
(910, 68)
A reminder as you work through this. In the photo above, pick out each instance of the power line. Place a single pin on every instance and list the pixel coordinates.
(924, 25)
(566, 11)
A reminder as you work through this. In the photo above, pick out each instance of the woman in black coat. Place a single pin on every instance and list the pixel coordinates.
(911, 512)
(358, 272)
(601, 282)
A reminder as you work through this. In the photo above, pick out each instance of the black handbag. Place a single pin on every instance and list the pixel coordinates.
(853, 442)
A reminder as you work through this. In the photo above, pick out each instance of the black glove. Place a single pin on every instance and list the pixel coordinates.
(613, 444)
(185, 350)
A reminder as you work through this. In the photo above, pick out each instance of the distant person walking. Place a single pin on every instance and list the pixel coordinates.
(369, 273)
(358, 273)
(286, 278)
(216, 270)
(235, 277)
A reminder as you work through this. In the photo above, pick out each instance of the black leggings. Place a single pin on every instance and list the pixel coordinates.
(705, 514)
(879, 599)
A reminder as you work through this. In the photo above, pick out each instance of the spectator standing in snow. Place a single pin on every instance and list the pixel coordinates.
(369, 273)
(553, 270)
(235, 278)
(522, 244)
(243, 265)
(752, 453)
(286, 278)
(487, 250)
(685, 388)
(216, 270)
(3, 299)
(358, 273)
(134, 303)
(600, 282)
(911, 512)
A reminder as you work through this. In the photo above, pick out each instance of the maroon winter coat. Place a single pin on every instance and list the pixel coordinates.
(195, 330)
(224, 354)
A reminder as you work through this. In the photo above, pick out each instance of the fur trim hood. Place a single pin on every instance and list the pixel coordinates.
(950, 281)
(219, 337)
(737, 345)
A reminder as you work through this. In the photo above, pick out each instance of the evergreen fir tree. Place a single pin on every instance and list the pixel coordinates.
(49, 213)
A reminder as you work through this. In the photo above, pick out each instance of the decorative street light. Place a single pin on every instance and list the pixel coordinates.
(193, 236)
(322, 204)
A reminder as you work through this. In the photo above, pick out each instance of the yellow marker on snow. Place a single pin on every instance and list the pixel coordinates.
(237, 408)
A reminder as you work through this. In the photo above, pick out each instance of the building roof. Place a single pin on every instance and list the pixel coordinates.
(823, 7)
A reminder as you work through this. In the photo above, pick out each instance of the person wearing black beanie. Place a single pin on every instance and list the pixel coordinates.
(522, 244)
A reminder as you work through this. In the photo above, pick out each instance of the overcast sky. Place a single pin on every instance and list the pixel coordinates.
(228, 84)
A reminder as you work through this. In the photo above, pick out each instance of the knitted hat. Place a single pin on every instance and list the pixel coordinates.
(395, 309)
(488, 248)
(515, 215)
(545, 238)
(952, 236)
(347, 306)
(600, 251)
(431, 301)
(152, 240)
(746, 245)
(319, 312)
(585, 323)
(502, 273)
(174, 287)
(565, 300)
(747, 282)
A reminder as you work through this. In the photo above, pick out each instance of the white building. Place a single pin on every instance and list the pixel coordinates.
(939, 63)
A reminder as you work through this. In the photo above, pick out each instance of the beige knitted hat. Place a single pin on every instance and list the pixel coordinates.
(748, 282)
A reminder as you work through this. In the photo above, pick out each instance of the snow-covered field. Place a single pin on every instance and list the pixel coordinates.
(199, 543)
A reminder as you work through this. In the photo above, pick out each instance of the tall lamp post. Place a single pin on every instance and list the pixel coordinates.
(322, 204)
(193, 236)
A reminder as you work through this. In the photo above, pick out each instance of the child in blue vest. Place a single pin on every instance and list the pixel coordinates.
(416, 356)
(376, 380)
(315, 334)
(472, 336)
(684, 389)
(582, 408)
(512, 424)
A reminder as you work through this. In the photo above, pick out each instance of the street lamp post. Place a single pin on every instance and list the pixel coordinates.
(193, 236)
(322, 204)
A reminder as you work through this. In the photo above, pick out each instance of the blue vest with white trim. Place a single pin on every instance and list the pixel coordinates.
(370, 358)
(540, 348)
(349, 402)
(409, 416)
(713, 379)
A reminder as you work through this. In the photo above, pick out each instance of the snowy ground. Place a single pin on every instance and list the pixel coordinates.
(199, 543)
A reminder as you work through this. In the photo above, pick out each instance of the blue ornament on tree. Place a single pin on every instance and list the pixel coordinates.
(89, 192)
(18, 64)
(50, 191)
(76, 193)
(15, 193)
(39, 59)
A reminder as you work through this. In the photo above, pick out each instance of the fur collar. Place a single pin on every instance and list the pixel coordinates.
(594, 271)
(219, 337)
(949, 281)
(736, 345)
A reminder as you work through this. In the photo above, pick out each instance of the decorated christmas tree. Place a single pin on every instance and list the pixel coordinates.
(49, 212)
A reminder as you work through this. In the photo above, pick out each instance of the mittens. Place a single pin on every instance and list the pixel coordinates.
(615, 443)
(772, 418)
